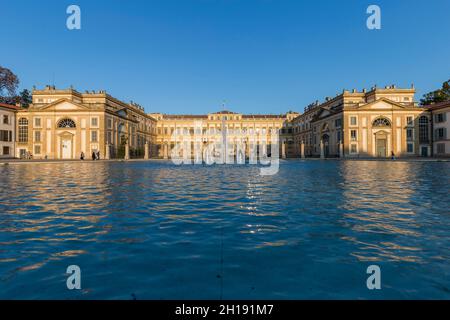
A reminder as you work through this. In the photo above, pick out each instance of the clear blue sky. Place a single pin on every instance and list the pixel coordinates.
(261, 56)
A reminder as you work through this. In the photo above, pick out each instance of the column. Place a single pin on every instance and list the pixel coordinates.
(127, 152)
(166, 151)
(283, 149)
(302, 150)
(107, 152)
(146, 151)
(322, 153)
(341, 150)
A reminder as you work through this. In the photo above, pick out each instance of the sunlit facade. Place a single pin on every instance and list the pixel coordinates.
(211, 128)
(382, 122)
(379, 123)
(7, 130)
(64, 124)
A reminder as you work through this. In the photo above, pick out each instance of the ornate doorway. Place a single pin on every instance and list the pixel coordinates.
(381, 145)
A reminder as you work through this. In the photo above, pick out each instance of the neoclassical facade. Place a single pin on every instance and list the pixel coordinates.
(210, 128)
(63, 124)
(441, 128)
(7, 130)
(378, 123)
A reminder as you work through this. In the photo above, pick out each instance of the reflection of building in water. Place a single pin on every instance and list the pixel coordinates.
(375, 123)
(62, 124)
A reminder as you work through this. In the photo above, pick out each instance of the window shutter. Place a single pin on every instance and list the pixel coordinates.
(444, 116)
(445, 133)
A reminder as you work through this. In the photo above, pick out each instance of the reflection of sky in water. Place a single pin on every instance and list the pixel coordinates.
(156, 231)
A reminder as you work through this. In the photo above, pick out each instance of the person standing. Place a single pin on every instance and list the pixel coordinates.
(82, 155)
(93, 156)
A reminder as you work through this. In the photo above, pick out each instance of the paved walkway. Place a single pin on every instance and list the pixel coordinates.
(418, 159)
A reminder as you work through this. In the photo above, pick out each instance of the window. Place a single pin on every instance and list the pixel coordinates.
(6, 151)
(23, 130)
(381, 122)
(423, 129)
(338, 123)
(353, 121)
(440, 117)
(353, 135)
(109, 137)
(5, 135)
(109, 123)
(5, 119)
(410, 148)
(66, 123)
(353, 148)
(37, 136)
(409, 134)
(37, 149)
(94, 137)
(338, 136)
(94, 122)
(409, 121)
(37, 122)
(441, 148)
(440, 134)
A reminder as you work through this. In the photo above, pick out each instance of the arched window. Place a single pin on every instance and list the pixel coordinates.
(381, 122)
(423, 129)
(23, 130)
(66, 123)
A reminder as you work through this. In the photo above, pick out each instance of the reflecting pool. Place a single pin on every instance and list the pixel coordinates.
(153, 230)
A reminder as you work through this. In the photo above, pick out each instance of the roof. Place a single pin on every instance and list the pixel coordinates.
(224, 112)
(9, 106)
(439, 105)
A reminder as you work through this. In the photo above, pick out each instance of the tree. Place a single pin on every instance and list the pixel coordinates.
(25, 98)
(436, 96)
(8, 82)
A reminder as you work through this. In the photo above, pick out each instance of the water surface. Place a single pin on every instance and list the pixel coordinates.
(153, 230)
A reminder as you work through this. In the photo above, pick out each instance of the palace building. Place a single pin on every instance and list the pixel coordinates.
(441, 128)
(209, 128)
(7, 130)
(381, 122)
(63, 124)
(378, 123)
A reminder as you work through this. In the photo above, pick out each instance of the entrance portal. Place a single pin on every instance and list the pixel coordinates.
(66, 149)
(381, 148)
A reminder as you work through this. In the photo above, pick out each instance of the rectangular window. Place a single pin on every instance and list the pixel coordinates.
(94, 122)
(440, 134)
(5, 136)
(338, 123)
(410, 148)
(109, 137)
(354, 135)
(37, 122)
(37, 136)
(409, 134)
(353, 121)
(353, 148)
(409, 121)
(94, 137)
(5, 119)
(6, 151)
(441, 148)
(37, 149)
(110, 123)
(440, 117)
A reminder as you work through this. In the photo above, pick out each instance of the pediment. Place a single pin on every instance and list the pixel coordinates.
(64, 105)
(382, 104)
